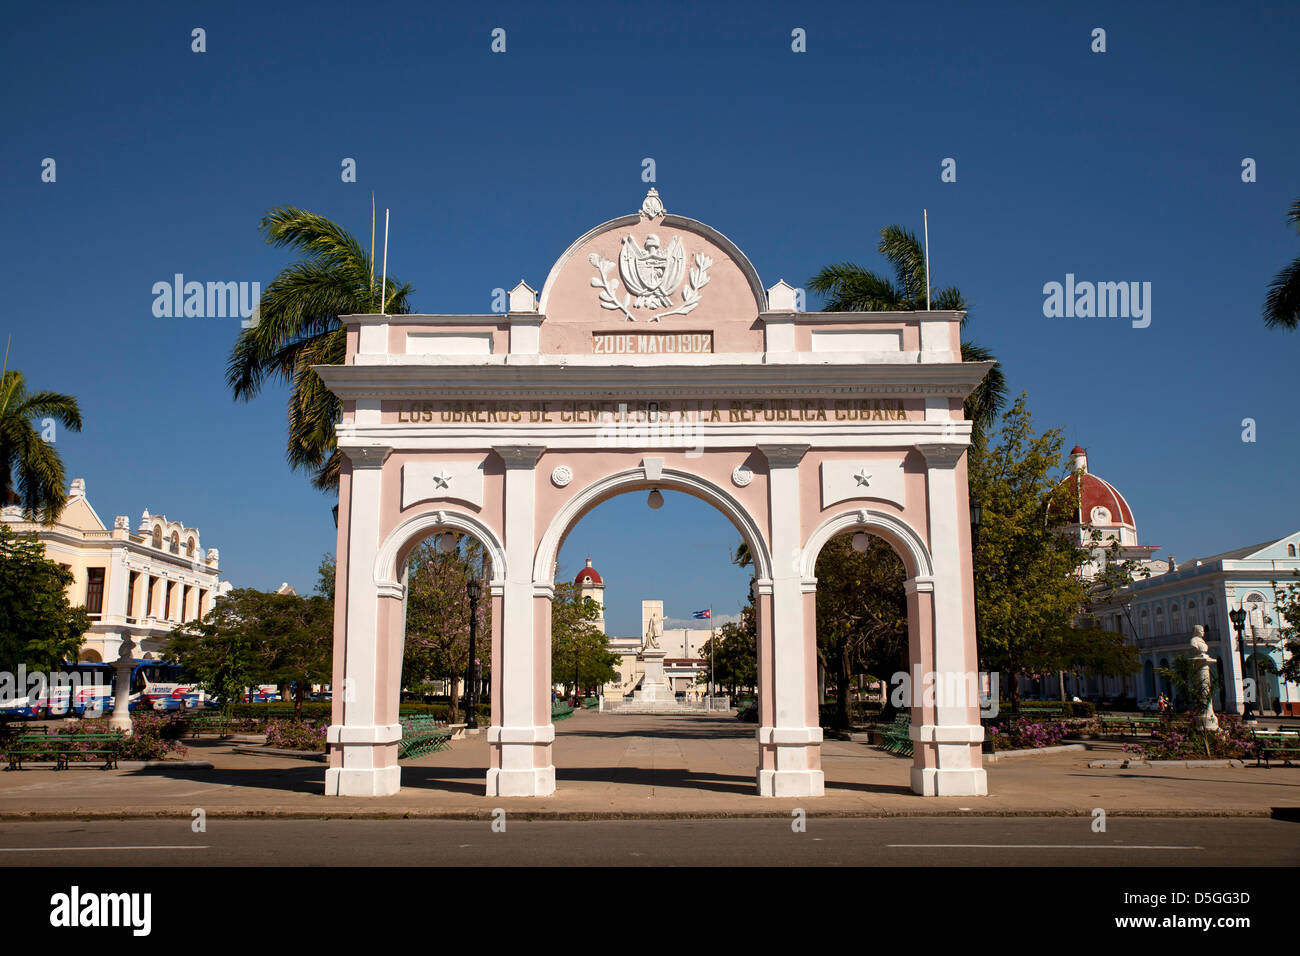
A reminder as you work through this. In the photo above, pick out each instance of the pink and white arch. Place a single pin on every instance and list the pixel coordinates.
(510, 427)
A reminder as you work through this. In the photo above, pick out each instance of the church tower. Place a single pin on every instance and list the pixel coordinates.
(591, 585)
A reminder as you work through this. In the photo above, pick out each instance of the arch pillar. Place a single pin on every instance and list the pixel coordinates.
(521, 733)
(948, 734)
(364, 735)
(789, 733)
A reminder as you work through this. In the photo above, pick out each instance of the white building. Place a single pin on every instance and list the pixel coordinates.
(133, 584)
(1157, 613)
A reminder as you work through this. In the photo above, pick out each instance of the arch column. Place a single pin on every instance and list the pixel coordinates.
(789, 733)
(947, 732)
(521, 733)
(364, 736)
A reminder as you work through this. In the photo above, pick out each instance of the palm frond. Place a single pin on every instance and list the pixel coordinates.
(901, 248)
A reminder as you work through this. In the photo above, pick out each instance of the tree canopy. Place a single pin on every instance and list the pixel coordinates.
(578, 648)
(39, 627)
(253, 637)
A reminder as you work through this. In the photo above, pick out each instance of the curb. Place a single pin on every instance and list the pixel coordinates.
(277, 752)
(1031, 751)
(1187, 764)
(1292, 813)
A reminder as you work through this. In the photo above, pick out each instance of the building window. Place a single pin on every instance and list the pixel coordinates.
(189, 548)
(157, 537)
(1290, 550)
(94, 590)
(167, 604)
(148, 597)
(176, 543)
(130, 593)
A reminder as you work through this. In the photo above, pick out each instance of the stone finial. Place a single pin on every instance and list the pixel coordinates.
(652, 206)
(11, 513)
(145, 519)
(78, 489)
(523, 298)
(781, 298)
(213, 556)
(121, 523)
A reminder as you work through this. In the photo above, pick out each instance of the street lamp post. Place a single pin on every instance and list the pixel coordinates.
(1238, 619)
(474, 591)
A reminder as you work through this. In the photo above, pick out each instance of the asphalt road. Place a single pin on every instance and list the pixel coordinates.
(976, 841)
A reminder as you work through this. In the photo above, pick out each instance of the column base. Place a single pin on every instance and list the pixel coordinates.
(534, 782)
(791, 783)
(936, 782)
(371, 782)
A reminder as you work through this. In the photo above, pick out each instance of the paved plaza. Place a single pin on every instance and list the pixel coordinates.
(645, 766)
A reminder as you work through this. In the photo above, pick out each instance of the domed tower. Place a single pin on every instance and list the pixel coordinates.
(1098, 504)
(591, 585)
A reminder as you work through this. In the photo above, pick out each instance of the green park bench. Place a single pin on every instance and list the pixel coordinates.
(1275, 745)
(896, 738)
(421, 735)
(560, 710)
(207, 724)
(1128, 726)
(63, 748)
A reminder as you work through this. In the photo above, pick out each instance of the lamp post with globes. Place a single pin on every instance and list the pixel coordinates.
(1238, 619)
(473, 591)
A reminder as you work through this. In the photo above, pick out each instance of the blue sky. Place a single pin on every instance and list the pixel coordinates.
(1119, 166)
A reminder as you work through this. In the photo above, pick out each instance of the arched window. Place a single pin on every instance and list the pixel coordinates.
(1192, 618)
(1160, 622)
(1175, 618)
(189, 548)
(1144, 623)
(176, 543)
(157, 537)
(1290, 550)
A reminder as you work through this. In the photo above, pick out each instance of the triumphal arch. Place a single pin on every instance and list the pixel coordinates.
(653, 358)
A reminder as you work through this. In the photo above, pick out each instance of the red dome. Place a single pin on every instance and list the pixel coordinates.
(589, 575)
(1092, 492)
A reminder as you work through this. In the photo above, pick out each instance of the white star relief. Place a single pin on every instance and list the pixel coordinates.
(863, 477)
(442, 479)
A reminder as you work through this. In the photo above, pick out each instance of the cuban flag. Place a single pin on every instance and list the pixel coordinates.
(703, 615)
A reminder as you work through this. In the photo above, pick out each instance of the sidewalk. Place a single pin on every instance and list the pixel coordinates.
(612, 766)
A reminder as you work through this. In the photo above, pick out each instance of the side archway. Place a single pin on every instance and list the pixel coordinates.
(901, 535)
(413, 529)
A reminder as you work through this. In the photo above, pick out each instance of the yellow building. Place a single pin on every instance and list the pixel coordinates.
(135, 585)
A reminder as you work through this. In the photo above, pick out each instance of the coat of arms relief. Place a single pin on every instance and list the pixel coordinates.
(651, 274)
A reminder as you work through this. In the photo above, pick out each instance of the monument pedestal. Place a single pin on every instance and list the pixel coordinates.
(654, 686)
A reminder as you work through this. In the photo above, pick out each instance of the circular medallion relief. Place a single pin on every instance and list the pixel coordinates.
(561, 475)
(742, 475)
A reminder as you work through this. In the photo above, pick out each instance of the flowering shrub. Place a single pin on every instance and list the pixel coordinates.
(1022, 733)
(1177, 737)
(296, 734)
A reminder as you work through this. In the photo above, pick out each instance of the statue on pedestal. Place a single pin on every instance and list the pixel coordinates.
(1202, 660)
(652, 635)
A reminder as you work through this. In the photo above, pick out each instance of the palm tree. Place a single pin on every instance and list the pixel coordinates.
(848, 287)
(40, 484)
(298, 327)
(1282, 306)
